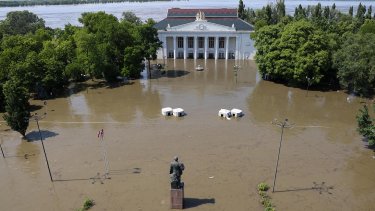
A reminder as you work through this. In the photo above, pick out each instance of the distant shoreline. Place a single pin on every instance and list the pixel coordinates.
(68, 2)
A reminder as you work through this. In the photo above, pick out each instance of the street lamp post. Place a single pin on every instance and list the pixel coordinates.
(236, 68)
(36, 118)
(2, 152)
(284, 124)
(308, 84)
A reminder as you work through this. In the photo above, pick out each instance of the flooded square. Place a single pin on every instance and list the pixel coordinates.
(323, 164)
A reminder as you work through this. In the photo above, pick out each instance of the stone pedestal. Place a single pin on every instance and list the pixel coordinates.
(177, 198)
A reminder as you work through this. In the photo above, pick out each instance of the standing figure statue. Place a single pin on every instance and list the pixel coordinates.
(175, 173)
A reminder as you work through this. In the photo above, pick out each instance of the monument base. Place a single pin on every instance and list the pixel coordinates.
(177, 198)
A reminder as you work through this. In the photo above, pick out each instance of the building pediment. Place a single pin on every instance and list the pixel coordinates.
(201, 25)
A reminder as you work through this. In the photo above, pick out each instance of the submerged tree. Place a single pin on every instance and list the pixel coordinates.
(16, 106)
(355, 62)
(292, 53)
(365, 125)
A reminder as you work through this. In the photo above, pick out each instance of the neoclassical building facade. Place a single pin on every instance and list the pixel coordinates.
(205, 34)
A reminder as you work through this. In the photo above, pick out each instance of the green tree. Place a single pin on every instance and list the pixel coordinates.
(368, 27)
(317, 11)
(53, 67)
(28, 71)
(86, 52)
(280, 10)
(21, 22)
(300, 13)
(361, 10)
(19, 59)
(131, 18)
(369, 11)
(132, 60)
(241, 10)
(266, 41)
(351, 11)
(292, 53)
(2, 98)
(109, 39)
(148, 40)
(16, 106)
(355, 62)
(250, 16)
(365, 125)
(75, 71)
(326, 12)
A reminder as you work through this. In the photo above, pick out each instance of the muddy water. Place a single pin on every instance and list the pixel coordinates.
(224, 159)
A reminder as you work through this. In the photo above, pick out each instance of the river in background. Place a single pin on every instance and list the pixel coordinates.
(323, 165)
(57, 16)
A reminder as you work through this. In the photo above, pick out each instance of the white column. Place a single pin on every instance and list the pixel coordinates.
(238, 53)
(174, 47)
(216, 47)
(205, 47)
(226, 47)
(185, 47)
(165, 46)
(195, 46)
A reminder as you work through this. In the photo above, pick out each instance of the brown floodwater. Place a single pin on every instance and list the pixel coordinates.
(323, 164)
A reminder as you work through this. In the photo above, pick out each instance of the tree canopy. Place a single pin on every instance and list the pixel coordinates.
(16, 106)
(39, 61)
(292, 52)
(355, 62)
(366, 125)
(319, 46)
(21, 22)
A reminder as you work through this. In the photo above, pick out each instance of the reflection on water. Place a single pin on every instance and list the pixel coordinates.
(218, 85)
(78, 105)
(270, 100)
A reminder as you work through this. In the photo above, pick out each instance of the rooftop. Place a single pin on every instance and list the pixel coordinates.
(224, 12)
(224, 16)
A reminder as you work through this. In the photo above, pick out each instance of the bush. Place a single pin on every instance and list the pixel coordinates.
(87, 204)
(265, 199)
(263, 186)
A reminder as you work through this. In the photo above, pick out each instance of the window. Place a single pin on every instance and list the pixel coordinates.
(170, 54)
(190, 42)
(180, 55)
(180, 42)
(200, 42)
(221, 42)
(221, 55)
(211, 42)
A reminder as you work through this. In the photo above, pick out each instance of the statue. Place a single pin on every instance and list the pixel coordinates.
(200, 16)
(175, 173)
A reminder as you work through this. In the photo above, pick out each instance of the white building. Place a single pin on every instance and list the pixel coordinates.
(205, 34)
